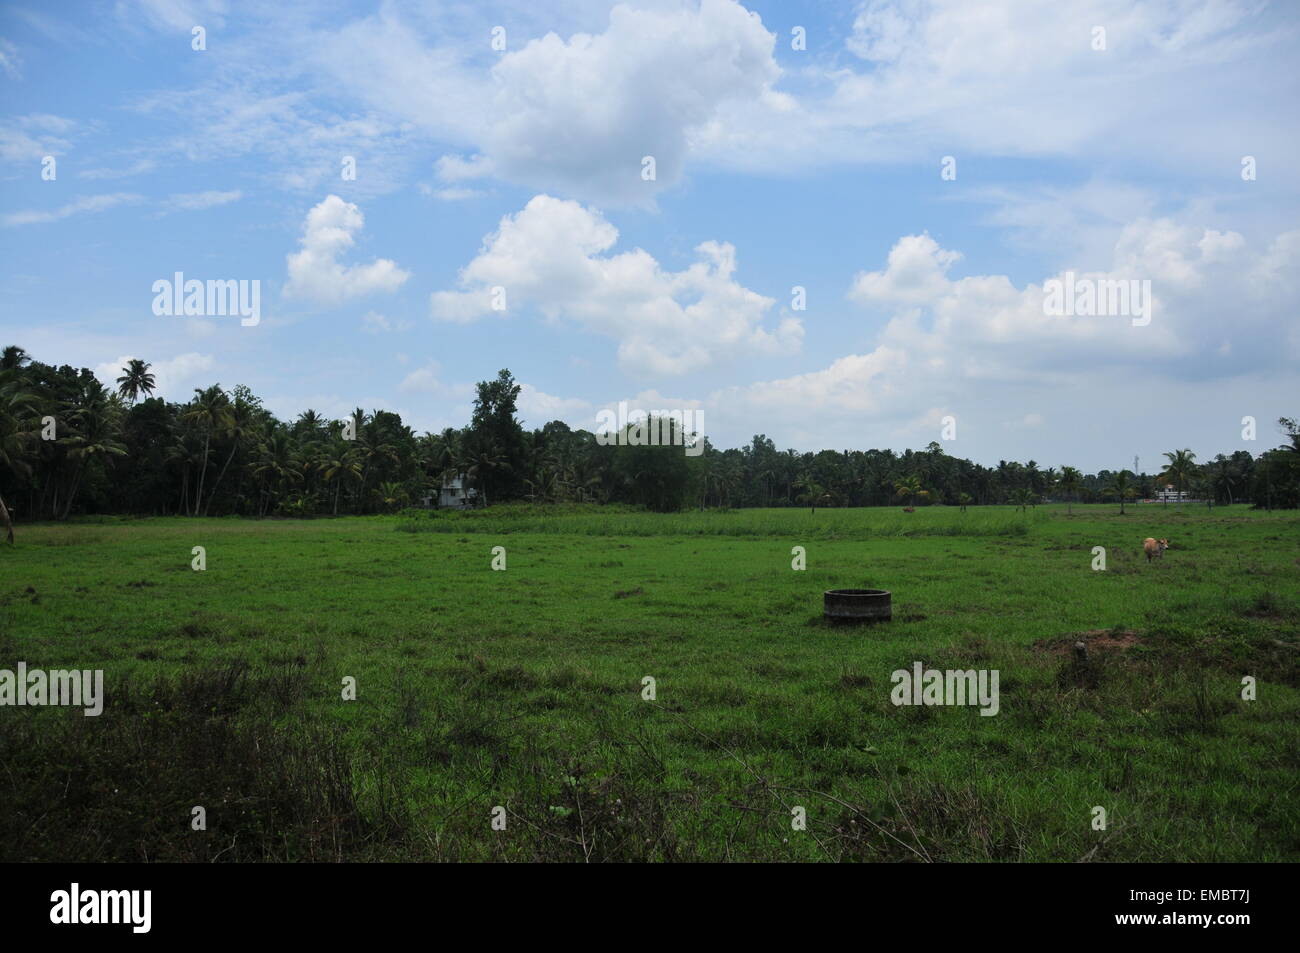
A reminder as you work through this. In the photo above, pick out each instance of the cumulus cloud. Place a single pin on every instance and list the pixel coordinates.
(572, 116)
(537, 408)
(600, 103)
(551, 256)
(927, 78)
(315, 272)
(916, 273)
(976, 342)
(424, 380)
(573, 113)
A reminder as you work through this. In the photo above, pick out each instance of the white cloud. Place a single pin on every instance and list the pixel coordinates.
(549, 256)
(578, 116)
(10, 62)
(537, 408)
(30, 138)
(294, 133)
(315, 272)
(572, 116)
(377, 323)
(197, 201)
(451, 195)
(424, 380)
(1020, 78)
(916, 273)
(92, 203)
(686, 81)
(137, 167)
(1025, 422)
(453, 168)
(980, 344)
(176, 14)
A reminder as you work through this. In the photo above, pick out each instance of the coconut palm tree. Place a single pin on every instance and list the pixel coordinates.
(16, 404)
(1122, 486)
(1051, 479)
(1291, 430)
(813, 493)
(309, 425)
(185, 454)
(339, 463)
(479, 456)
(393, 494)
(909, 487)
(135, 380)
(1032, 476)
(93, 420)
(209, 411)
(1179, 469)
(277, 463)
(373, 451)
(1069, 482)
(235, 427)
(13, 358)
(1223, 474)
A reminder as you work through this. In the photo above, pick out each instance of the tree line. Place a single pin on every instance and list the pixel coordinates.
(69, 444)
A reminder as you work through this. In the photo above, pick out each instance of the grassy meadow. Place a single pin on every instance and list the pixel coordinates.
(523, 688)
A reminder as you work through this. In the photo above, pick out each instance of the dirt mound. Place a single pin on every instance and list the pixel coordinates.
(1097, 640)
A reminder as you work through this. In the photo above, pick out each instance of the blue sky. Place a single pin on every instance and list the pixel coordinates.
(521, 168)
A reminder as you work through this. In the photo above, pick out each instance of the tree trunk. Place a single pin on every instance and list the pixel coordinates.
(4, 516)
(72, 491)
(198, 495)
(67, 506)
(213, 495)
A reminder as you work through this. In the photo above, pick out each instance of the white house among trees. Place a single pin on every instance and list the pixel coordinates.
(454, 493)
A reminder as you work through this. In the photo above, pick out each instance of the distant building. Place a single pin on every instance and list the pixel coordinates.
(454, 494)
(1167, 494)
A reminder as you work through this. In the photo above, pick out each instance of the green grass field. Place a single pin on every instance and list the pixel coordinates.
(523, 689)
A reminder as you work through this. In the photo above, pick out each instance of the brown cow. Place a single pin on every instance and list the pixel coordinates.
(1154, 548)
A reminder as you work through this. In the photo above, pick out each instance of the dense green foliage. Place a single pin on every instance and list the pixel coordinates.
(69, 444)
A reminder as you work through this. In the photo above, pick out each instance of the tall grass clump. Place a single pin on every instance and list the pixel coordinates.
(121, 787)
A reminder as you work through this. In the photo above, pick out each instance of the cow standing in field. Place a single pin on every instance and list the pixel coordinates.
(1154, 548)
